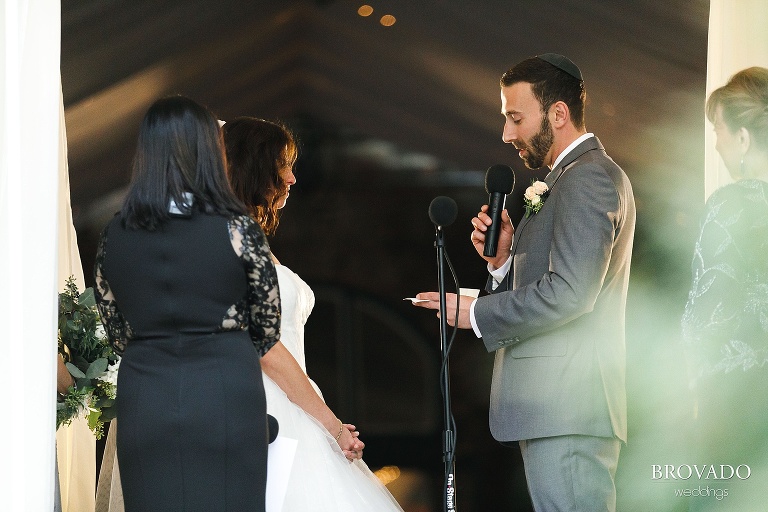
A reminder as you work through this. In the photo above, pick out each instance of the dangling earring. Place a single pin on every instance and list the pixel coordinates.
(741, 168)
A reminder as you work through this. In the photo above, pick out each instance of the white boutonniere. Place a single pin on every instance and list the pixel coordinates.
(535, 195)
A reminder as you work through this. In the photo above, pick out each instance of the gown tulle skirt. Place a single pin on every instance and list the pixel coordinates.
(322, 479)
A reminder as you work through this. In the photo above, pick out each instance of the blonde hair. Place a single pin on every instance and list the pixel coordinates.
(744, 103)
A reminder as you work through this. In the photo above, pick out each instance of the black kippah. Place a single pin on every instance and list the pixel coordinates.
(562, 63)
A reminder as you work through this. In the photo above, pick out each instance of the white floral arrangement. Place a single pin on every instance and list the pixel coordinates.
(534, 198)
(90, 360)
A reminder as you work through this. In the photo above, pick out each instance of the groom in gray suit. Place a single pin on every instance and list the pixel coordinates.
(558, 289)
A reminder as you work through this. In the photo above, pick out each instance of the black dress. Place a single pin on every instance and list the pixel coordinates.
(191, 306)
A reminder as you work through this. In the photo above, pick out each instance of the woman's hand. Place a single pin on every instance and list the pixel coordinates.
(63, 378)
(350, 443)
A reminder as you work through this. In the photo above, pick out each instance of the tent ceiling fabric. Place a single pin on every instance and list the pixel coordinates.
(428, 83)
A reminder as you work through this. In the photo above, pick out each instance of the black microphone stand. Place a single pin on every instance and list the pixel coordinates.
(449, 503)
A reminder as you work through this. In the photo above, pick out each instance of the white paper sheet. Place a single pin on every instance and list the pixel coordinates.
(279, 463)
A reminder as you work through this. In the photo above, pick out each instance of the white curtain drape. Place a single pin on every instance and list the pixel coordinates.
(39, 251)
(30, 46)
(75, 443)
(738, 39)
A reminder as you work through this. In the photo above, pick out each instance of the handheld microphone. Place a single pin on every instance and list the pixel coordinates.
(443, 211)
(499, 181)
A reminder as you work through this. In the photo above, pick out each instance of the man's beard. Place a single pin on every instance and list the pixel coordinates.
(536, 150)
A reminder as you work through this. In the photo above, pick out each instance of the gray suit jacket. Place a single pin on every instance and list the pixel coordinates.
(557, 321)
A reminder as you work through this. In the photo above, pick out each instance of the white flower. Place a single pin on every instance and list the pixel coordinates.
(85, 406)
(534, 197)
(539, 187)
(100, 333)
(111, 374)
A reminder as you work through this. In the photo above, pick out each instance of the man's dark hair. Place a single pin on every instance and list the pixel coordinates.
(550, 85)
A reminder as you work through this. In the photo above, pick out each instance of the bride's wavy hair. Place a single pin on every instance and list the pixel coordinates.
(179, 151)
(256, 150)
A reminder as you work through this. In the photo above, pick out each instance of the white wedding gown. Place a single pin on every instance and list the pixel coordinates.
(321, 479)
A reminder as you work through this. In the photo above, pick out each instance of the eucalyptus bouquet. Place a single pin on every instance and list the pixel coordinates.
(89, 358)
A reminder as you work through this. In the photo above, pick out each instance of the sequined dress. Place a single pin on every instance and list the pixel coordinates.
(725, 330)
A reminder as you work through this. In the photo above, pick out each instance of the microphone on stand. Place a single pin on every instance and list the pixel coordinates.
(443, 211)
(499, 181)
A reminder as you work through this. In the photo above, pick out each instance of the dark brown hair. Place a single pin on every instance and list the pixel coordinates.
(256, 150)
(550, 85)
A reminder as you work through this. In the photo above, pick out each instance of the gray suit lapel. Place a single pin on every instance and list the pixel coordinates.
(570, 159)
(551, 180)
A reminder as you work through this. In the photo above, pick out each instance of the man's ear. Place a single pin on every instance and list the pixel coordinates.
(559, 114)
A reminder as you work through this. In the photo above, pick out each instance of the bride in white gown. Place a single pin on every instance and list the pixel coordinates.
(324, 477)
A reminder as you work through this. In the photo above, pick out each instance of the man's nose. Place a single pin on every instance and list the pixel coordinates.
(509, 134)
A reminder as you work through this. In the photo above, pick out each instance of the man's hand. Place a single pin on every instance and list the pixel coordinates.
(481, 223)
(433, 302)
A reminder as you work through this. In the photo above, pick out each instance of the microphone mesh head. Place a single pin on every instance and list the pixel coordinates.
(443, 211)
(499, 178)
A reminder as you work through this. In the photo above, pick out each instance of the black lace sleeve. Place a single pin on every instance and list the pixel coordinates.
(263, 293)
(117, 329)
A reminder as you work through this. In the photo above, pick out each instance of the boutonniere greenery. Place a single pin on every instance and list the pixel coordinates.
(535, 195)
(89, 358)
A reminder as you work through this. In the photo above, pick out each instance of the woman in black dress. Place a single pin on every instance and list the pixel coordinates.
(188, 294)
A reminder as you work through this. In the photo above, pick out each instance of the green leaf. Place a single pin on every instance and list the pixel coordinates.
(84, 385)
(104, 403)
(108, 413)
(79, 361)
(87, 298)
(75, 371)
(93, 418)
(96, 368)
